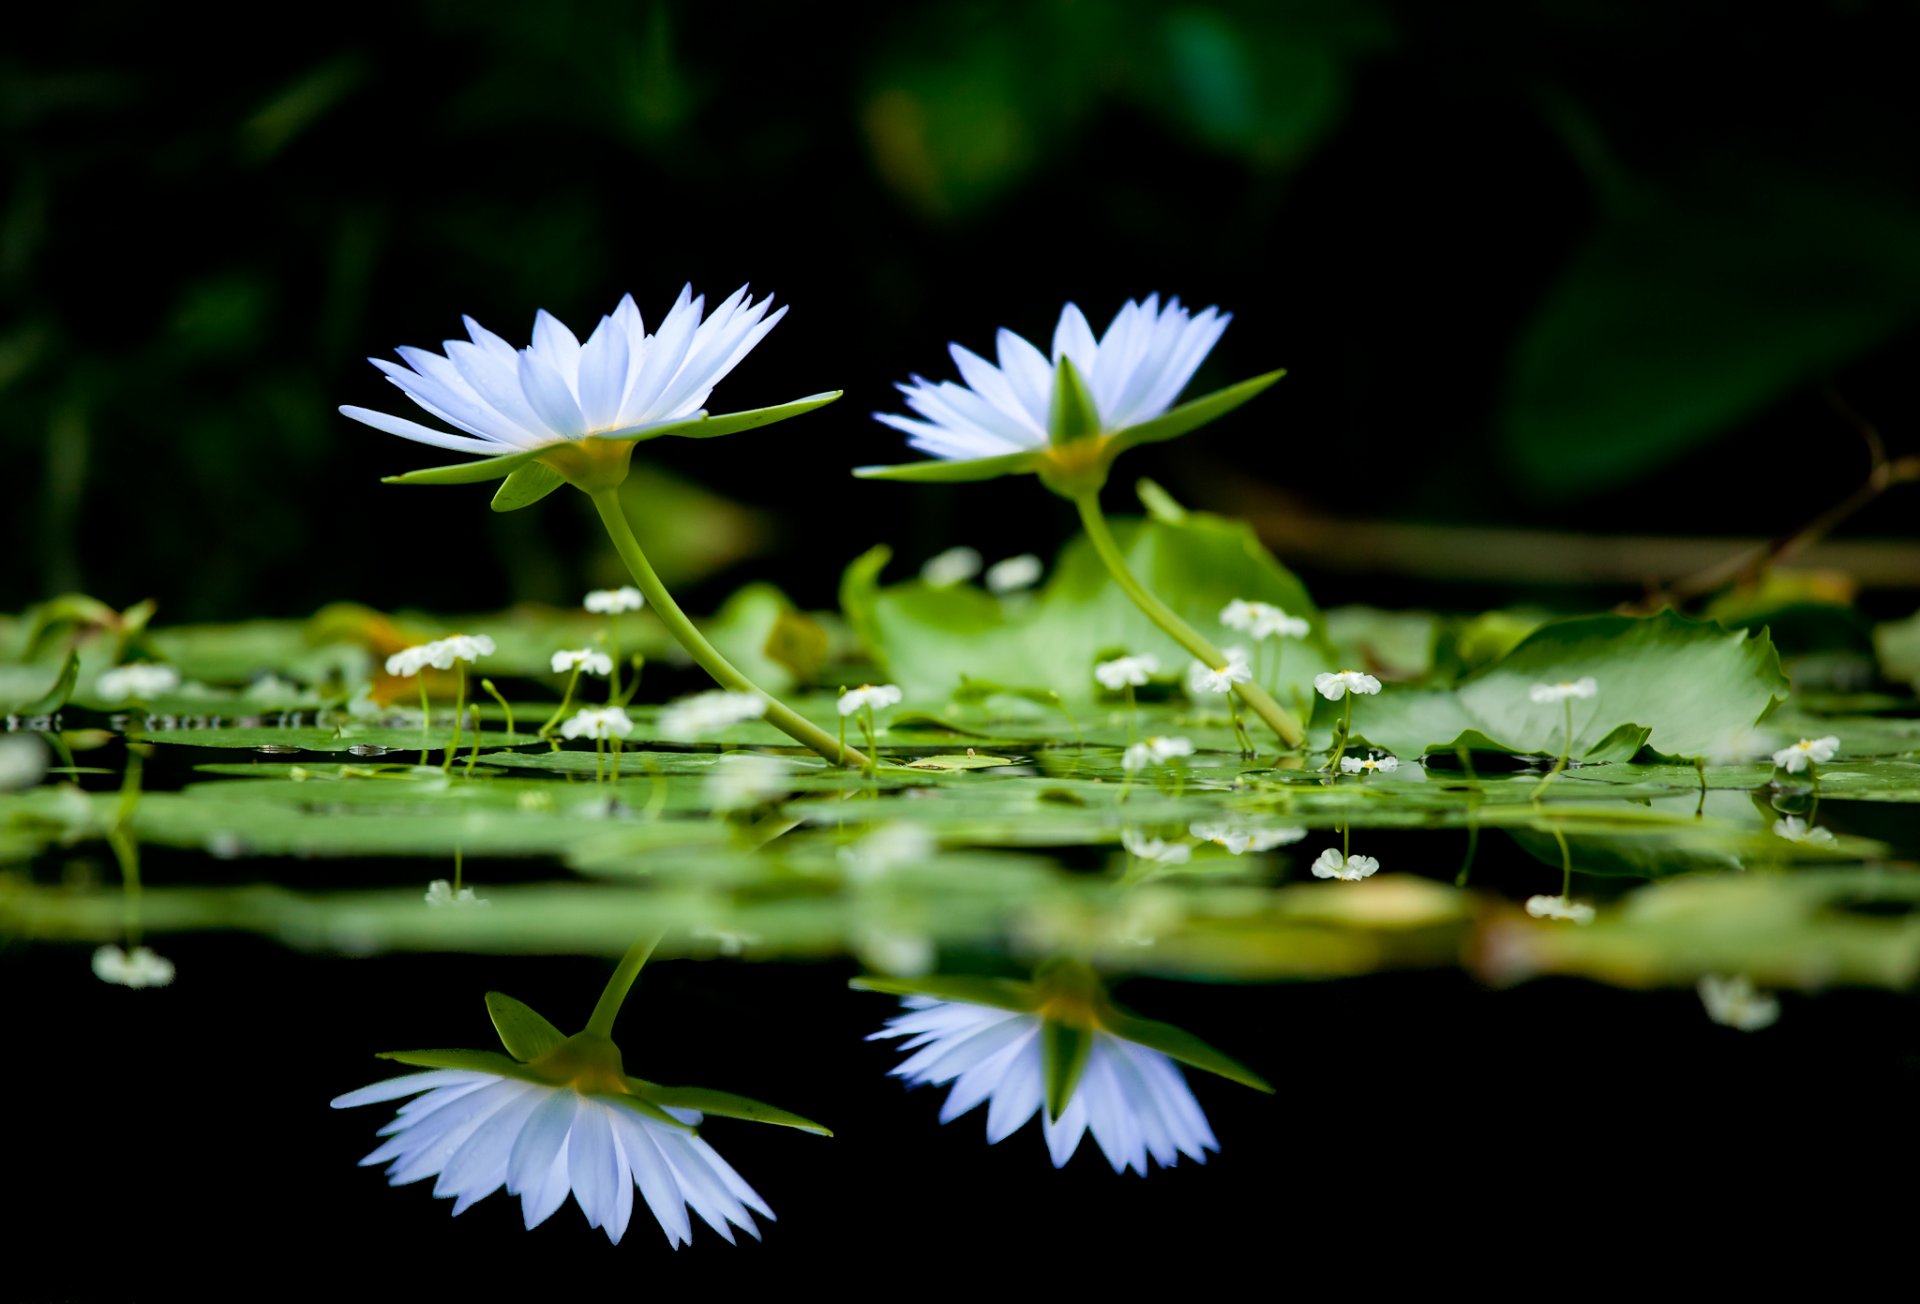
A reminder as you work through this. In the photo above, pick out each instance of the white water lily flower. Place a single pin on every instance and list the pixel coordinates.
(1015, 573)
(136, 682)
(710, 713)
(1155, 850)
(1585, 686)
(1337, 685)
(1559, 907)
(441, 893)
(1154, 751)
(1332, 864)
(1795, 829)
(943, 570)
(876, 696)
(139, 967)
(1126, 671)
(1363, 765)
(1808, 751)
(611, 602)
(477, 1132)
(586, 659)
(620, 381)
(1262, 620)
(1133, 1099)
(23, 762)
(1203, 678)
(1736, 1003)
(598, 723)
(1239, 840)
(740, 780)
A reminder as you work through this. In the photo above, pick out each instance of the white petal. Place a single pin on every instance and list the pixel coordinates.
(556, 346)
(591, 1162)
(421, 434)
(542, 1137)
(664, 354)
(653, 1176)
(603, 374)
(1029, 374)
(550, 396)
(1018, 1096)
(408, 1084)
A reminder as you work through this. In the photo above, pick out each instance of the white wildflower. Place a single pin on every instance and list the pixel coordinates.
(943, 570)
(1262, 620)
(711, 712)
(441, 893)
(1014, 574)
(1559, 907)
(1808, 751)
(1735, 1003)
(611, 602)
(1795, 829)
(1126, 671)
(139, 967)
(586, 659)
(876, 696)
(1338, 684)
(1238, 840)
(1154, 850)
(1366, 765)
(1203, 678)
(140, 681)
(1154, 751)
(1582, 687)
(598, 723)
(1333, 864)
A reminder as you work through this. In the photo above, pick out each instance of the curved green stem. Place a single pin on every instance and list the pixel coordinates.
(566, 700)
(1277, 717)
(614, 994)
(779, 714)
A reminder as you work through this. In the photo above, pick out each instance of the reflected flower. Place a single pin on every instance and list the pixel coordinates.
(440, 893)
(136, 682)
(1014, 574)
(946, 569)
(611, 602)
(1735, 1003)
(1238, 841)
(139, 967)
(586, 659)
(1337, 685)
(740, 780)
(1262, 620)
(1333, 863)
(1154, 850)
(1559, 907)
(598, 723)
(1560, 692)
(1806, 752)
(1795, 829)
(1379, 761)
(710, 713)
(871, 696)
(23, 762)
(1126, 671)
(1203, 678)
(1154, 751)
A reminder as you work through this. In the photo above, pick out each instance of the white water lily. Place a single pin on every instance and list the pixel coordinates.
(1560, 907)
(943, 570)
(598, 723)
(1368, 764)
(585, 659)
(1735, 1003)
(1585, 686)
(873, 696)
(139, 967)
(1154, 850)
(1126, 671)
(1014, 574)
(440, 893)
(1133, 1099)
(1203, 678)
(1262, 620)
(23, 762)
(137, 682)
(611, 602)
(741, 780)
(1333, 863)
(711, 712)
(619, 382)
(1808, 751)
(1339, 683)
(1238, 840)
(1795, 829)
(1154, 751)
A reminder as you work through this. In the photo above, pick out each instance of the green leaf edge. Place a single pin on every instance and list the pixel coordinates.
(724, 1104)
(523, 1030)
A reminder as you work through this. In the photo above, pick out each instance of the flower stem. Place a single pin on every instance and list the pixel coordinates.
(1278, 718)
(459, 713)
(607, 1008)
(1566, 750)
(779, 715)
(1339, 749)
(566, 700)
(495, 694)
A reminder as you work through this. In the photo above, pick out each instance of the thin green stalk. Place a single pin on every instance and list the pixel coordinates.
(607, 1008)
(779, 714)
(1079, 739)
(426, 711)
(1277, 717)
(613, 678)
(508, 710)
(459, 713)
(1566, 865)
(1566, 750)
(566, 700)
(873, 752)
(1346, 731)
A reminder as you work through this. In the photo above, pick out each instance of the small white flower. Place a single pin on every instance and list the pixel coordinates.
(1808, 751)
(598, 723)
(1559, 907)
(1154, 850)
(1239, 840)
(1377, 761)
(1154, 751)
(139, 967)
(1332, 864)
(740, 780)
(1582, 687)
(138, 682)
(1126, 672)
(408, 662)
(1133, 1099)
(441, 893)
(888, 848)
(943, 570)
(460, 647)
(1262, 620)
(1735, 1003)
(1014, 574)
(1203, 678)
(23, 762)
(594, 663)
(877, 696)
(611, 602)
(1338, 684)
(710, 713)
(1795, 829)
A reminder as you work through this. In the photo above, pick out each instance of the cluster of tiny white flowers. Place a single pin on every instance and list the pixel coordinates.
(1339, 683)
(594, 663)
(1795, 829)
(1808, 751)
(441, 893)
(1377, 761)
(1560, 692)
(710, 713)
(1262, 620)
(876, 696)
(139, 967)
(138, 681)
(1203, 678)
(1155, 850)
(1126, 671)
(598, 723)
(740, 780)
(440, 654)
(1239, 841)
(1014, 574)
(1735, 1003)
(1153, 751)
(1559, 907)
(943, 570)
(611, 602)
(1333, 864)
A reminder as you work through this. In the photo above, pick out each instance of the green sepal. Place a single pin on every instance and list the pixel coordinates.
(999, 993)
(1191, 416)
(1179, 1044)
(944, 472)
(487, 468)
(722, 1103)
(526, 486)
(523, 1030)
(476, 1061)
(732, 423)
(1073, 415)
(1065, 1049)
(57, 696)
(645, 1109)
